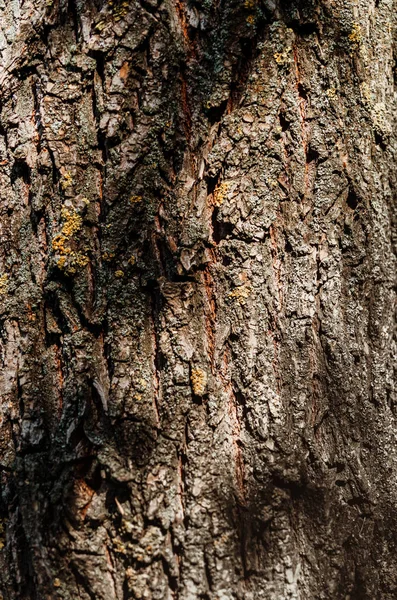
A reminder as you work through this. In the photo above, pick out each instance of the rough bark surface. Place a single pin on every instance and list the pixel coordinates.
(197, 299)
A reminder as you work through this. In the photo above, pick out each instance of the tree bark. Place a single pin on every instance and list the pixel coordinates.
(197, 299)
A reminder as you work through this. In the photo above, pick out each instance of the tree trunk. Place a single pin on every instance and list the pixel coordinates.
(197, 287)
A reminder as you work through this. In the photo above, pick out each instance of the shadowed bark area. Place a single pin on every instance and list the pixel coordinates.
(197, 300)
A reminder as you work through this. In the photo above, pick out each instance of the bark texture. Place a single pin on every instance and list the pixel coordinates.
(197, 299)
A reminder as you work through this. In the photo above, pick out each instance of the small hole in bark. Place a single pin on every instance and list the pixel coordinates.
(21, 170)
(302, 92)
(352, 199)
(226, 261)
(215, 113)
(357, 500)
(73, 12)
(35, 215)
(116, 491)
(212, 182)
(152, 9)
(77, 436)
(24, 72)
(284, 124)
(312, 155)
(304, 29)
(347, 230)
(220, 229)
(94, 478)
(379, 141)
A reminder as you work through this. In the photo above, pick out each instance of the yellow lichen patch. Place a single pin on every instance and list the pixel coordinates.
(3, 284)
(59, 244)
(100, 26)
(135, 199)
(118, 546)
(73, 222)
(355, 35)
(331, 93)
(69, 260)
(132, 260)
(67, 180)
(282, 58)
(220, 193)
(120, 11)
(198, 379)
(78, 259)
(251, 19)
(249, 4)
(61, 262)
(119, 274)
(57, 582)
(241, 293)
